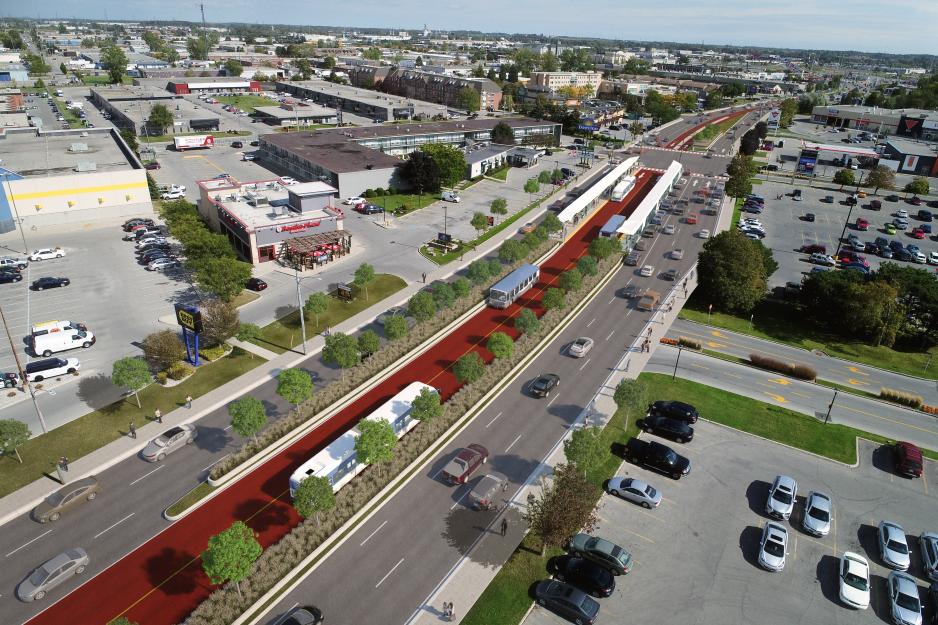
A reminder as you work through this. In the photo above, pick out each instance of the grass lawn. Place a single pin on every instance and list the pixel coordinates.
(104, 79)
(244, 297)
(737, 211)
(410, 202)
(781, 322)
(189, 499)
(499, 174)
(94, 430)
(246, 102)
(303, 128)
(284, 333)
(761, 154)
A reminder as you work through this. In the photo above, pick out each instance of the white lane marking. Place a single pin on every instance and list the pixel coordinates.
(548, 404)
(493, 419)
(216, 462)
(612, 300)
(389, 573)
(148, 474)
(362, 543)
(29, 543)
(610, 335)
(583, 366)
(115, 525)
(227, 428)
(518, 438)
(591, 322)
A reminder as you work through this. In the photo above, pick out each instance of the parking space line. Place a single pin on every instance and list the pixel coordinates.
(643, 537)
(925, 482)
(817, 542)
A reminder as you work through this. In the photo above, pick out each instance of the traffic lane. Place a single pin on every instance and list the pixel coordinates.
(858, 412)
(833, 369)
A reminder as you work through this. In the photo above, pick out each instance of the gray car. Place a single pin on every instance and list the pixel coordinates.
(66, 498)
(817, 514)
(306, 615)
(168, 442)
(773, 547)
(634, 490)
(51, 574)
(929, 546)
(893, 548)
(904, 603)
(781, 500)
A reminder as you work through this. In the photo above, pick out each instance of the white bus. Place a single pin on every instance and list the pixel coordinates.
(337, 462)
(504, 292)
(622, 189)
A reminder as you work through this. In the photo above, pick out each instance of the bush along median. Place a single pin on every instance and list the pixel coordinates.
(283, 557)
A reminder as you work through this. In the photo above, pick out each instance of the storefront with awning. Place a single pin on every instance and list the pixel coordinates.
(315, 250)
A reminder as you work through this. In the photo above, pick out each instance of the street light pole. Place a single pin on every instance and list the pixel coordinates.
(299, 303)
(19, 367)
(843, 232)
(677, 360)
(827, 417)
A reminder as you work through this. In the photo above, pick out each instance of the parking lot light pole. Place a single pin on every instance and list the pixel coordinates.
(827, 417)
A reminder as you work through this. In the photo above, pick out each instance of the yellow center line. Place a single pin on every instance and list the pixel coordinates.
(897, 422)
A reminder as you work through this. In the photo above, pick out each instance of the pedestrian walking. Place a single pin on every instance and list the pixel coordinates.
(505, 487)
(132, 430)
(63, 462)
(158, 415)
(504, 526)
(447, 610)
(424, 277)
(188, 401)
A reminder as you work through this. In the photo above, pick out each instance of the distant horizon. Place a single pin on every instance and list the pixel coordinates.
(868, 27)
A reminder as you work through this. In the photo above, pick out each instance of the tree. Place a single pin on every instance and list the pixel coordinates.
(602, 248)
(13, 433)
(316, 304)
(479, 221)
(294, 385)
(329, 62)
(468, 99)
(171, 55)
(461, 287)
(553, 299)
(63, 68)
(130, 139)
(749, 143)
(122, 620)
(587, 266)
(501, 345)
(740, 172)
(421, 306)
(527, 322)
(552, 223)
(918, 186)
(231, 554)
(636, 128)
(220, 321)
(881, 177)
(314, 495)
(341, 350)
(222, 277)
(843, 177)
(372, 53)
(368, 342)
(304, 68)
(732, 272)
(132, 373)
(427, 406)
(114, 62)
(443, 295)
(395, 327)
(499, 206)
(421, 172)
(233, 67)
(503, 134)
(532, 186)
(450, 161)
(247, 416)
(376, 441)
(478, 271)
(363, 275)
(163, 349)
(512, 251)
(197, 48)
(584, 449)
(469, 368)
(566, 506)
(630, 395)
(571, 280)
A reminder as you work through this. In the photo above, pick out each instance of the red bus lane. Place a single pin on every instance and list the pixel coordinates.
(679, 142)
(162, 581)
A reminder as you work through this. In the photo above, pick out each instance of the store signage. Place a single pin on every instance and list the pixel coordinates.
(299, 227)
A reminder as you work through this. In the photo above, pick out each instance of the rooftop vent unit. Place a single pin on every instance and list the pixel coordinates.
(256, 199)
(86, 166)
(77, 148)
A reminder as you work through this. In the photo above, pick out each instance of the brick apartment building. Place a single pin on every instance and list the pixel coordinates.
(426, 86)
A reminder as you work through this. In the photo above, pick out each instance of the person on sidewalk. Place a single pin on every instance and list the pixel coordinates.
(132, 430)
(158, 415)
(188, 401)
(504, 526)
(63, 462)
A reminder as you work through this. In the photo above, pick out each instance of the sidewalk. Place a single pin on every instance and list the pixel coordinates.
(105, 457)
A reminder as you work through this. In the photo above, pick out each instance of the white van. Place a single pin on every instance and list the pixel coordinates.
(46, 327)
(451, 196)
(39, 370)
(47, 344)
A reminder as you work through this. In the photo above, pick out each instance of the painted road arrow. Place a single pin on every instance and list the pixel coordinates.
(777, 398)
(715, 344)
(855, 382)
(781, 381)
(855, 370)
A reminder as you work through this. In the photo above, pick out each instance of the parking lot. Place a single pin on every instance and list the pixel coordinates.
(115, 297)
(787, 229)
(696, 555)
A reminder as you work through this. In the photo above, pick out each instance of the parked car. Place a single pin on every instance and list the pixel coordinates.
(674, 429)
(632, 259)
(305, 615)
(781, 499)
(288, 181)
(66, 498)
(152, 165)
(822, 259)
(928, 545)
(162, 264)
(352, 201)
(173, 195)
(635, 491)
(237, 144)
(16, 264)
(875, 205)
(169, 441)
(47, 253)
(809, 217)
(892, 198)
(670, 274)
(674, 409)
(369, 209)
(52, 574)
(818, 511)
(904, 603)
(566, 601)
(773, 547)
(893, 548)
(908, 458)
(854, 581)
(584, 574)
(813, 248)
(49, 283)
(542, 385)
(466, 461)
(7, 276)
(656, 456)
(580, 347)
(600, 551)
(255, 284)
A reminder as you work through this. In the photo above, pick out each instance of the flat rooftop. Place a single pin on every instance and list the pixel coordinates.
(182, 110)
(367, 96)
(842, 149)
(50, 154)
(302, 111)
(239, 200)
(113, 93)
(915, 148)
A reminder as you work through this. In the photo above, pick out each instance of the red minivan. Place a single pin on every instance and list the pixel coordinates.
(908, 459)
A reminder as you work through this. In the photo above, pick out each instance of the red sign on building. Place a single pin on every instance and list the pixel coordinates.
(299, 227)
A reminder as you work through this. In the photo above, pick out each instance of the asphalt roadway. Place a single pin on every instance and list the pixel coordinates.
(857, 412)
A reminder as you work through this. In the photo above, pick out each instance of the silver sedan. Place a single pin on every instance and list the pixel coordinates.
(51, 574)
(893, 548)
(817, 514)
(580, 347)
(634, 490)
(168, 442)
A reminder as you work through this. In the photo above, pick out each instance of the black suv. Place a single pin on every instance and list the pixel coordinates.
(677, 431)
(674, 409)
(543, 384)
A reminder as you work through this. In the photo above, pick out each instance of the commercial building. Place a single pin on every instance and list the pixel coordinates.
(441, 89)
(130, 107)
(69, 177)
(553, 81)
(267, 220)
(296, 114)
(914, 157)
(355, 159)
(831, 154)
(363, 102)
(213, 85)
(911, 123)
(14, 73)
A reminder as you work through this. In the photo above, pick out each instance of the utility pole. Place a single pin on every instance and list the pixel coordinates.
(19, 368)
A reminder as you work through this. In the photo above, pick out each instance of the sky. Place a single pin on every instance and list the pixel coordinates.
(898, 26)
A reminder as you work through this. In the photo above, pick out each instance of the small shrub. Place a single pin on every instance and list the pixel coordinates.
(901, 397)
(368, 193)
(180, 370)
(689, 343)
(804, 372)
(214, 353)
(161, 377)
(379, 192)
